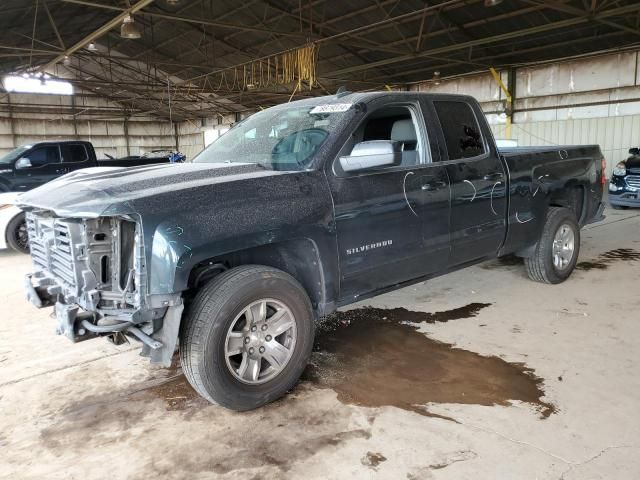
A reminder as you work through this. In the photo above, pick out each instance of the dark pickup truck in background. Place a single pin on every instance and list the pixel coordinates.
(296, 211)
(32, 165)
(624, 185)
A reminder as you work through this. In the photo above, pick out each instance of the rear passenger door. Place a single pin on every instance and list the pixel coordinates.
(478, 181)
(392, 221)
(74, 156)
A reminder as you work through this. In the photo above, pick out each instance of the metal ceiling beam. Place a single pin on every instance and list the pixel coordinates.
(98, 33)
(486, 40)
(53, 24)
(197, 21)
(561, 7)
(493, 57)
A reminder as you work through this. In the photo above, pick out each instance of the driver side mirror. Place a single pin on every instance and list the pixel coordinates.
(372, 154)
(24, 162)
(634, 151)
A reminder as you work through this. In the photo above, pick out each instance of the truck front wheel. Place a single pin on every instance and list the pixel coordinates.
(557, 250)
(247, 337)
(17, 236)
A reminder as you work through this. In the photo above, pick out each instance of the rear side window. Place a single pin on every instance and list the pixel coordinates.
(43, 156)
(461, 130)
(73, 153)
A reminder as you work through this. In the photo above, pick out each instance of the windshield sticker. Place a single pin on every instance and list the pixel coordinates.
(321, 123)
(331, 108)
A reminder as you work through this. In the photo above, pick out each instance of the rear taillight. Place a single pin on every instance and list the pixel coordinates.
(603, 177)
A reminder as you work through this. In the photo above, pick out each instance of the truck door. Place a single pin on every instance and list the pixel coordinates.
(74, 156)
(381, 213)
(478, 182)
(45, 166)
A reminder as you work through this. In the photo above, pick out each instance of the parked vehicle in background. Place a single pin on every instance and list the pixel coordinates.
(13, 229)
(298, 210)
(32, 165)
(624, 185)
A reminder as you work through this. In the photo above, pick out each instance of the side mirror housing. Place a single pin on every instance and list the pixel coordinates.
(634, 151)
(23, 162)
(372, 154)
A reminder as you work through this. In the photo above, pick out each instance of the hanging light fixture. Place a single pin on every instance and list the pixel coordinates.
(492, 3)
(129, 29)
(92, 47)
(436, 78)
(173, 3)
(67, 61)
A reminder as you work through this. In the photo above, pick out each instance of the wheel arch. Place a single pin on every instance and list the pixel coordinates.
(571, 196)
(299, 257)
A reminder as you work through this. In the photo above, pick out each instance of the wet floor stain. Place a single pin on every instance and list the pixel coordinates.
(588, 265)
(606, 259)
(372, 460)
(506, 261)
(174, 390)
(177, 394)
(372, 357)
(403, 315)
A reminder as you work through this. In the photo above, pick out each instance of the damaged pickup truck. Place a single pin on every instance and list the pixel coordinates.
(298, 210)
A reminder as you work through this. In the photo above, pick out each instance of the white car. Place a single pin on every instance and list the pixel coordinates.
(13, 229)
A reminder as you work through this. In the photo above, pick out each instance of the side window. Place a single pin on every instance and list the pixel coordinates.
(460, 128)
(74, 153)
(44, 156)
(398, 124)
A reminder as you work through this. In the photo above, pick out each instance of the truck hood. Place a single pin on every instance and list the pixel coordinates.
(94, 192)
(633, 162)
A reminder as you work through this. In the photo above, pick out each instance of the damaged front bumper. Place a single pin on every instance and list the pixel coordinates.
(93, 272)
(159, 337)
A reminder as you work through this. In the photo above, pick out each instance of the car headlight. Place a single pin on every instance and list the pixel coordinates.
(620, 169)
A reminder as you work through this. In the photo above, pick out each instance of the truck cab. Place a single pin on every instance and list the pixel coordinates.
(32, 165)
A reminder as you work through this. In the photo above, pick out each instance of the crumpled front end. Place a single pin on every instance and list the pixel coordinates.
(93, 271)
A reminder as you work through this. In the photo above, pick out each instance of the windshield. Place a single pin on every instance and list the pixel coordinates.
(13, 154)
(281, 139)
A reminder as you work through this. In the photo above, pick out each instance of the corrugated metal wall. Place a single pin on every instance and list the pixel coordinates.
(585, 101)
(615, 135)
(107, 135)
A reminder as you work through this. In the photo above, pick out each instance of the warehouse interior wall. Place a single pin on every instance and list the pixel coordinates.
(591, 100)
(28, 118)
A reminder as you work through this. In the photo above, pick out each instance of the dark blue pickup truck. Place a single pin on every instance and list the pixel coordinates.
(35, 164)
(624, 185)
(296, 211)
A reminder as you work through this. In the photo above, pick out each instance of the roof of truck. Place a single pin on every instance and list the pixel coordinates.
(352, 98)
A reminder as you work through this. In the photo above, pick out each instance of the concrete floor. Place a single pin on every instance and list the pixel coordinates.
(93, 410)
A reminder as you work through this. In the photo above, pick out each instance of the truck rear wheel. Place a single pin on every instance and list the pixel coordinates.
(247, 337)
(557, 250)
(17, 236)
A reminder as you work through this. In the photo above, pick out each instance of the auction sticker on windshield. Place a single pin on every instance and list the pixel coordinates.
(331, 108)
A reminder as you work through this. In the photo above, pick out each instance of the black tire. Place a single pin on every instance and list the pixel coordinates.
(204, 328)
(540, 267)
(619, 207)
(17, 238)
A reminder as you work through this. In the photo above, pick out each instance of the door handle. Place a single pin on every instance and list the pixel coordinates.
(493, 176)
(432, 186)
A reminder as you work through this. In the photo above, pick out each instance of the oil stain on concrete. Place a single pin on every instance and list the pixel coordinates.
(606, 259)
(372, 460)
(375, 357)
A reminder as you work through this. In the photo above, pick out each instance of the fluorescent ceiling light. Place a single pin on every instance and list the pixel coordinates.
(20, 84)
